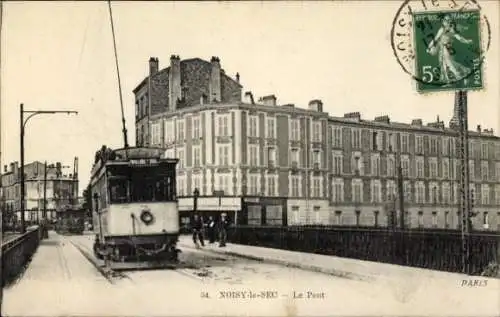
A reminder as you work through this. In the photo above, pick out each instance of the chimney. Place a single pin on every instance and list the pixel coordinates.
(268, 100)
(174, 82)
(382, 119)
(153, 66)
(16, 166)
(58, 169)
(316, 105)
(215, 74)
(249, 95)
(478, 128)
(12, 167)
(238, 78)
(417, 122)
(353, 115)
(5, 168)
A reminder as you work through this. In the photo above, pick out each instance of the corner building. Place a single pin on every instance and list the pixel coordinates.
(265, 163)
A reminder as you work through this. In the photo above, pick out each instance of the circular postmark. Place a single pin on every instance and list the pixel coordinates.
(441, 43)
(147, 217)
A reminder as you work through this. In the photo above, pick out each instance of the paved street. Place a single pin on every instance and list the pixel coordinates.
(61, 281)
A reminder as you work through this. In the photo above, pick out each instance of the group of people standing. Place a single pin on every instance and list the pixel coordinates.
(211, 228)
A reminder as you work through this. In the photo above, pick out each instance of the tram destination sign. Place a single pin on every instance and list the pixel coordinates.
(143, 162)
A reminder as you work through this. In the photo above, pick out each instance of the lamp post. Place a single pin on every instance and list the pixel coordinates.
(23, 123)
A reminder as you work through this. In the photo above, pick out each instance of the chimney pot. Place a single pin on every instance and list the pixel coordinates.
(416, 122)
(316, 105)
(250, 96)
(268, 100)
(238, 78)
(153, 66)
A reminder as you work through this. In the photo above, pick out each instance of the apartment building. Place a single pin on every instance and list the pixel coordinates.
(61, 190)
(266, 163)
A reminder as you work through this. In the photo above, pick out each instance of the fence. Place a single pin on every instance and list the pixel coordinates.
(431, 249)
(17, 253)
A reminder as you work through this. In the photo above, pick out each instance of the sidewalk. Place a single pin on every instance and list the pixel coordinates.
(332, 265)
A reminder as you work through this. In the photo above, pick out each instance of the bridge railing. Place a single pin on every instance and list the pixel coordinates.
(432, 248)
(17, 253)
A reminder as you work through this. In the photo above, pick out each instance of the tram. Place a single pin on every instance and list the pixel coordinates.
(135, 212)
(70, 221)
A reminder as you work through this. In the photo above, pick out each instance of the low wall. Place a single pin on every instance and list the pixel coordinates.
(17, 253)
(431, 249)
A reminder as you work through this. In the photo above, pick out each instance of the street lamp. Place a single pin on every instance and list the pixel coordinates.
(23, 123)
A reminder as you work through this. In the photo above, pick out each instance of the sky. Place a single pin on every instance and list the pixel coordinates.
(59, 56)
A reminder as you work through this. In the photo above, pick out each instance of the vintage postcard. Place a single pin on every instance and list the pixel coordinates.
(244, 158)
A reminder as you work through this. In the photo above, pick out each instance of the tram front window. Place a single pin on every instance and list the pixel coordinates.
(141, 186)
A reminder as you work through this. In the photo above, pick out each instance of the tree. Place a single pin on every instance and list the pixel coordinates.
(87, 200)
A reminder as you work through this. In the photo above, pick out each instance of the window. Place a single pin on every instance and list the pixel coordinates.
(181, 157)
(472, 149)
(271, 185)
(197, 184)
(434, 193)
(294, 157)
(316, 137)
(316, 159)
(405, 143)
(375, 218)
(377, 140)
(497, 171)
(391, 142)
(356, 138)
(253, 188)
(222, 125)
(317, 187)
(433, 168)
(337, 137)
(419, 144)
(434, 219)
(155, 133)
(375, 165)
(455, 193)
(253, 155)
(271, 128)
(446, 193)
(497, 195)
(454, 169)
(485, 194)
(271, 156)
(253, 126)
(295, 212)
(295, 186)
(224, 183)
(358, 216)
(446, 168)
(317, 215)
(337, 163)
(405, 166)
(181, 186)
(338, 217)
(254, 215)
(420, 192)
(357, 190)
(357, 163)
(434, 145)
(338, 190)
(484, 171)
(274, 215)
(295, 136)
(453, 146)
(391, 190)
(169, 131)
(419, 161)
(471, 169)
(484, 150)
(223, 155)
(196, 156)
(486, 222)
(391, 166)
(420, 219)
(446, 219)
(376, 191)
(196, 128)
(446, 146)
(180, 130)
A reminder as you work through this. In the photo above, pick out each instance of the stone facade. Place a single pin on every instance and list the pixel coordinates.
(332, 170)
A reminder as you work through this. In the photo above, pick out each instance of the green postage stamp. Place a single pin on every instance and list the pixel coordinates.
(448, 53)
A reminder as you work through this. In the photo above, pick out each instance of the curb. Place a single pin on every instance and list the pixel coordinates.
(107, 273)
(312, 268)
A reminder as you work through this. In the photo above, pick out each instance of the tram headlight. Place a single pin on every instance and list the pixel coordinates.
(147, 217)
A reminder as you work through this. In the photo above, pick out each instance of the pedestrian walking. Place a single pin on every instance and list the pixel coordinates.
(223, 226)
(211, 230)
(197, 231)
